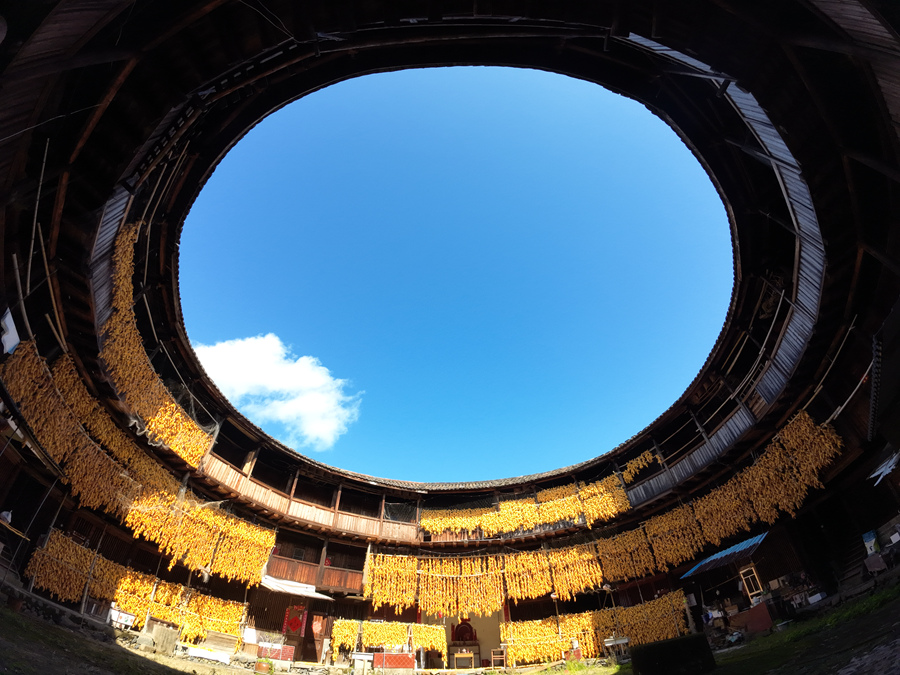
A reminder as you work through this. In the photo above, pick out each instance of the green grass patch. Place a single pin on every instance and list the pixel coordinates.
(811, 637)
(834, 618)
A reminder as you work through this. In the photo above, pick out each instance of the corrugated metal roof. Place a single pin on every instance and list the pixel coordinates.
(740, 551)
(811, 272)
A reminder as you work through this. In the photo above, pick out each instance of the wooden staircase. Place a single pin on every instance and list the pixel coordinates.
(852, 560)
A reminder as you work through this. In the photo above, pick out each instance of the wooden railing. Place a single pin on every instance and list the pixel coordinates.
(329, 578)
(375, 528)
(348, 522)
(310, 513)
(263, 494)
(215, 467)
(305, 512)
(399, 531)
(292, 570)
(337, 579)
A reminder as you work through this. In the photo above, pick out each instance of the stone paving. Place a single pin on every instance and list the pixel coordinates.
(882, 660)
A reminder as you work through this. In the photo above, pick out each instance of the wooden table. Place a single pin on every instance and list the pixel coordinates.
(616, 649)
(463, 656)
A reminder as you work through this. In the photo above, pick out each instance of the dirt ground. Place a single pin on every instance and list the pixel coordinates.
(32, 646)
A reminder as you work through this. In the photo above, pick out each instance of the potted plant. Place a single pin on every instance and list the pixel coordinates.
(264, 665)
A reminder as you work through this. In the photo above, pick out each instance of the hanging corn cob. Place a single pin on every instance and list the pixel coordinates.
(512, 515)
(603, 499)
(675, 536)
(60, 567)
(387, 634)
(778, 480)
(344, 634)
(633, 467)
(527, 575)
(63, 567)
(96, 479)
(591, 502)
(432, 638)
(130, 368)
(546, 640)
(575, 570)
(128, 484)
(391, 580)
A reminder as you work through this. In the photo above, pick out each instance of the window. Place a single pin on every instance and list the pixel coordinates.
(751, 582)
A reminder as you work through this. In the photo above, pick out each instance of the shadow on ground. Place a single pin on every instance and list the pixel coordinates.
(32, 646)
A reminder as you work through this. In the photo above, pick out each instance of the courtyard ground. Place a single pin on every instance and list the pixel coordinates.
(859, 637)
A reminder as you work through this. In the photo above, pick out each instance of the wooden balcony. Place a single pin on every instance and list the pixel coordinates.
(333, 579)
(263, 494)
(226, 474)
(311, 513)
(337, 579)
(318, 517)
(399, 531)
(292, 570)
(353, 524)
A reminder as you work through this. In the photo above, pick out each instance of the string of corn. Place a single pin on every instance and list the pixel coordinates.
(634, 466)
(461, 587)
(117, 475)
(545, 640)
(527, 575)
(603, 500)
(391, 580)
(135, 379)
(95, 478)
(63, 566)
(591, 502)
(777, 482)
(575, 569)
(346, 633)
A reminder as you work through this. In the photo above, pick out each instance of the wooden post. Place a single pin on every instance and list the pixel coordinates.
(366, 566)
(87, 584)
(621, 478)
(249, 463)
(662, 461)
(62, 500)
(337, 503)
(320, 575)
(150, 602)
(699, 426)
(737, 398)
(419, 533)
(674, 620)
(209, 448)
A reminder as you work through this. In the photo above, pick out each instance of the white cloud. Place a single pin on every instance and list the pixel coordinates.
(269, 384)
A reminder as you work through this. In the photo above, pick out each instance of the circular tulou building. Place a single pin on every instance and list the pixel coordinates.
(138, 493)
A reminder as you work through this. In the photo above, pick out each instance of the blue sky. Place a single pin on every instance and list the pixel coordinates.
(456, 273)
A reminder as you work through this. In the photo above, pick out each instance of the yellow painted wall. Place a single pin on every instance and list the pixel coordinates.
(486, 627)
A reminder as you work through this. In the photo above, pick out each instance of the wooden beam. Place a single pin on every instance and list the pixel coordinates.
(101, 108)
